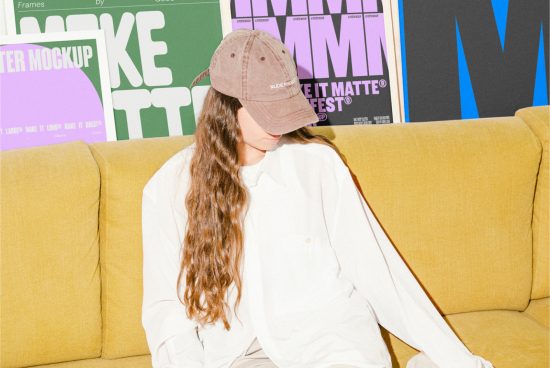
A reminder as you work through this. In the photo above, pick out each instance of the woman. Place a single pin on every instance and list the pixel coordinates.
(277, 235)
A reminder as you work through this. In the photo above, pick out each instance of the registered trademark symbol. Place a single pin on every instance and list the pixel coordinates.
(382, 83)
(347, 100)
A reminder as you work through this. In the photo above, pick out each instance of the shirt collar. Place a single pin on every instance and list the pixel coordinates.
(270, 166)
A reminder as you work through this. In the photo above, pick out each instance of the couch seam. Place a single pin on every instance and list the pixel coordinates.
(103, 284)
(534, 137)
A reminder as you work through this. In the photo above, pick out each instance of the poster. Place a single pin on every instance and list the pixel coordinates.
(343, 51)
(471, 59)
(154, 48)
(54, 88)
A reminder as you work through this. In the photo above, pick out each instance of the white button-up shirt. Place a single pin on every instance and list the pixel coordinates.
(319, 273)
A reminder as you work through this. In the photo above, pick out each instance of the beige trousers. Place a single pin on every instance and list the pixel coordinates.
(420, 360)
(254, 357)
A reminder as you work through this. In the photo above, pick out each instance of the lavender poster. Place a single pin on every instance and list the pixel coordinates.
(54, 88)
(343, 50)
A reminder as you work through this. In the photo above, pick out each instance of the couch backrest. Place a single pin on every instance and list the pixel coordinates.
(125, 167)
(51, 310)
(456, 198)
(538, 120)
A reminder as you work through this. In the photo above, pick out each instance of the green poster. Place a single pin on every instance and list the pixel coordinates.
(155, 48)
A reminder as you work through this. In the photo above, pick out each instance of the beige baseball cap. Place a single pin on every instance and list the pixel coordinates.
(258, 69)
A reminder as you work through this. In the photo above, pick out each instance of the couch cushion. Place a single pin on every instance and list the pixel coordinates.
(125, 167)
(141, 361)
(50, 255)
(456, 199)
(508, 339)
(538, 120)
(539, 310)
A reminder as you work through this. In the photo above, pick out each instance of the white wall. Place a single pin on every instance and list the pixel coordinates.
(2, 18)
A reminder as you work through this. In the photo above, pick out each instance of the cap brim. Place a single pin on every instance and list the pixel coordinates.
(282, 116)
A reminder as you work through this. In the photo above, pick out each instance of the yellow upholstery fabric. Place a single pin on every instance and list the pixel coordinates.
(125, 167)
(537, 118)
(521, 341)
(50, 256)
(463, 201)
(539, 310)
(456, 199)
(141, 361)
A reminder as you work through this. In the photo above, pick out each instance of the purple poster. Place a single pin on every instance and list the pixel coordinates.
(344, 58)
(53, 89)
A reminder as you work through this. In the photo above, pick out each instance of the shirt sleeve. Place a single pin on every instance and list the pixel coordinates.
(171, 336)
(369, 260)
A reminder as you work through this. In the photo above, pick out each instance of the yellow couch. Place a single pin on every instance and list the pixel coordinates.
(465, 202)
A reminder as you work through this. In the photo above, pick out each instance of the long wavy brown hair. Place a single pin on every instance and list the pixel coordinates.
(215, 203)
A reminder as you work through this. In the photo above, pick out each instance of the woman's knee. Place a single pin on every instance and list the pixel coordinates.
(420, 360)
